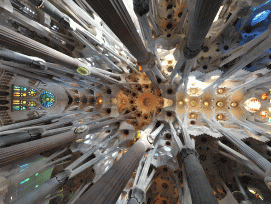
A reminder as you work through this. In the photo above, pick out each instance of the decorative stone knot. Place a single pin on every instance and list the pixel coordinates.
(187, 151)
(141, 7)
(62, 177)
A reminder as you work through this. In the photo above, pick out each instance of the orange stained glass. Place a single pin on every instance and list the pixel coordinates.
(18, 102)
(264, 114)
(264, 96)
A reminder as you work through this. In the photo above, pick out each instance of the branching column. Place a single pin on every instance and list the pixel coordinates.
(14, 153)
(202, 19)
(109, 187)
(254, 156)
(44, 190)
(17, 42)
(200, 189)
(116, 16)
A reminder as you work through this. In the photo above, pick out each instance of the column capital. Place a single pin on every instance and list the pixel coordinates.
(149, 62)
(186, 151)
(141, 7)
(190, 54)
(62, 177)
(137, 197)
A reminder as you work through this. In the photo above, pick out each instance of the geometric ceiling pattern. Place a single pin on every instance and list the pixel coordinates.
(135, 101)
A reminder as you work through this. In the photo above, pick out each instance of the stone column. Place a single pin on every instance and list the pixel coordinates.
(108, 189)
(200, 189)
(45, 189)
(201, 21)
(21, 136)
(17, 42)
(3, 189)
(116, 16)
(246, 201)
(186, 191)
(251, 154)
(14, 153)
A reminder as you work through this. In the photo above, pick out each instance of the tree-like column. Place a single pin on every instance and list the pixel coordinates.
(14, 153)
(200, 188)
(109, 187)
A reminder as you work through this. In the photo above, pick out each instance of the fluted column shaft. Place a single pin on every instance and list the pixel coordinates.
(21, 136)
(45, 189)
(109, 187)
(200, 188)
(116, 16)
(202, 19)
(17, 42)
(14, 153)
(254, 156)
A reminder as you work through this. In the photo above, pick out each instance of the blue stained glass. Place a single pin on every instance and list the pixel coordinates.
(24, 165)
(19, 88)
(18, 107)
(47, 99)
(24, 181)
(23, 169)
(260, 17)
(257, 24)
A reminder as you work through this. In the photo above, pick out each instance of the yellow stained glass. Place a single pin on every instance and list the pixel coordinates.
(32, 92)
(19, 102)
(31, 104)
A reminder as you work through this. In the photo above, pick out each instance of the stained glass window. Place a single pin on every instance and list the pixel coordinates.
(264, 96)
(19, 94)
(256, 193)
(31, 104)
(19, 102)
(32, 92)
(47, 99)
(82, 71)
(19, 105)
(19, 91)
(260, 17)
(81, 129)
(27, 179)
(19, 88)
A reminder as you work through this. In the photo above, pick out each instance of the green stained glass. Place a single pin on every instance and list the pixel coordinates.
(18, 107)
(256, 193)
(82, 71)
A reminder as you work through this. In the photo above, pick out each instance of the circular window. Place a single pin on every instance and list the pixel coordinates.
(47, 99)
(32, 92)
(252, 105)
(82, 71)
(81, 129)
